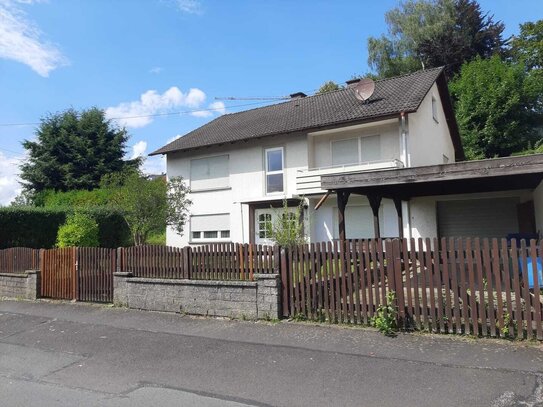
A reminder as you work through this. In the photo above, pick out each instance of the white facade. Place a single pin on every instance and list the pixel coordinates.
(234, 185)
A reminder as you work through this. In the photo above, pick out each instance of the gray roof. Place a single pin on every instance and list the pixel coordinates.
(392, 96)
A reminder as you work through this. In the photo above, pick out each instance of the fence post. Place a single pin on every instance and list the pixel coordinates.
(75, 280)
(119, 260)
(398, 281)
(283, 261)
(187, 262)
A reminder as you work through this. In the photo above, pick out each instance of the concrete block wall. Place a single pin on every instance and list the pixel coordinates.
(20, 285)
(257, 299)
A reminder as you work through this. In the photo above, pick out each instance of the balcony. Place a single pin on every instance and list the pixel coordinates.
(309, 181)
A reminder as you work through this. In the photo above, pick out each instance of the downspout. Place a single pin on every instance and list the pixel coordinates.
(403, 126)
(242, 223)
(407, 163)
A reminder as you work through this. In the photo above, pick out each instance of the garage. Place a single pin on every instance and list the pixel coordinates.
(496, 217)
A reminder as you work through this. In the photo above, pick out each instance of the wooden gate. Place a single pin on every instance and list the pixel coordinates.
(95, 268)
(58, 278)
(83, 274)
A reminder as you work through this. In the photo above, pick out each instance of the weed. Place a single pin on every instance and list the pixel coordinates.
(506, 323)
(386, 316)
(299, 317)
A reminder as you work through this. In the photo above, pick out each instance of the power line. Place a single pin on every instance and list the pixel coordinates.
(260, 102)
(10, 151)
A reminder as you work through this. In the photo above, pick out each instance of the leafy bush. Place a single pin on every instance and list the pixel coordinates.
(80, 230)
(288, 229)
(38, 227)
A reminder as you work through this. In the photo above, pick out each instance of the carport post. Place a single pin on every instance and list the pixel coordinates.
(375, 203)
(342, 198)
(398, 205)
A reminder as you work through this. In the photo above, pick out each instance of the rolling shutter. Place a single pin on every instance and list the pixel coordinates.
(489, 218)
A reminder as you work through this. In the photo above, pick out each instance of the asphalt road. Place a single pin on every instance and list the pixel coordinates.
(54, 354)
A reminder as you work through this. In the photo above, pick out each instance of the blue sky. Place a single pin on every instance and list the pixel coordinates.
(137, 58)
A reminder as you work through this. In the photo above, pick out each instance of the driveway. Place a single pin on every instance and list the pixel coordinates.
(58, 354)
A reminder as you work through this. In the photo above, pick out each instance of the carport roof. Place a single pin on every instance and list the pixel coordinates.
(497, 174)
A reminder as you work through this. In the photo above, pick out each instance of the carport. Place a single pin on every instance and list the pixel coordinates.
(467, 177)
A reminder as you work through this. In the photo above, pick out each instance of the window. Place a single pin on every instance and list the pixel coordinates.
(210, 227)
(345, 152)
(274, 170)
(356, 150)
(434, 109)
(212, 234)
(264, 225)
(209, 173)
(370, 149)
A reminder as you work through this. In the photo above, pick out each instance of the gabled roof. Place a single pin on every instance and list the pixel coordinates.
(391, 97)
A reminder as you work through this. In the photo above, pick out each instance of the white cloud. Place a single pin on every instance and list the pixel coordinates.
(155, 165)
(151, 165)
(213, 108)
(155, 70)
(138, 149)
(189, 6)
(137, 113)
(218, 107)
(9, 178)
(173, 138)
(21, 40)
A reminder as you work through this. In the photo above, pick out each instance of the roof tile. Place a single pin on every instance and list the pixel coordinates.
(391, 96)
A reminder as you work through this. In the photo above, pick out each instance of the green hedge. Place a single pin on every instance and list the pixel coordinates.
(37, 227)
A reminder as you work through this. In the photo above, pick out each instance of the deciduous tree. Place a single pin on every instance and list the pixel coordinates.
(495, 108)
(432, 33)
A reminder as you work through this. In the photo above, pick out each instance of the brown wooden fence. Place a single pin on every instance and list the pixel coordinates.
(470, 286)
(19, 259)
(154, 261)
(220, 261)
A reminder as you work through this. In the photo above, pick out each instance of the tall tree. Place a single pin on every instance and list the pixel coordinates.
(431, 33)
(495, 108)
(74, 150)
(527, 49)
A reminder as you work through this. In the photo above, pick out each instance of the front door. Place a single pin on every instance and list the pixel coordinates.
(264, 219)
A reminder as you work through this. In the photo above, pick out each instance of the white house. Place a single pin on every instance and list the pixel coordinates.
(241, 165)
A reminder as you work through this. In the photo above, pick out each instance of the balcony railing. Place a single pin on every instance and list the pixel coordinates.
(309, 181)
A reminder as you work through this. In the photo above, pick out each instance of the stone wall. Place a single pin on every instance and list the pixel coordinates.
(257, 299)
(20, 285)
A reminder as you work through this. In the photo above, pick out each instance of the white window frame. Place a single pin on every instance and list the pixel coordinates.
(203, 239)
(266, 172)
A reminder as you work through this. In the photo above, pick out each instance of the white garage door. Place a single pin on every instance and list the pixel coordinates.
(494, 217)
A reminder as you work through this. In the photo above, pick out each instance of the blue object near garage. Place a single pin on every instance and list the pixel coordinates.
(530, 270)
